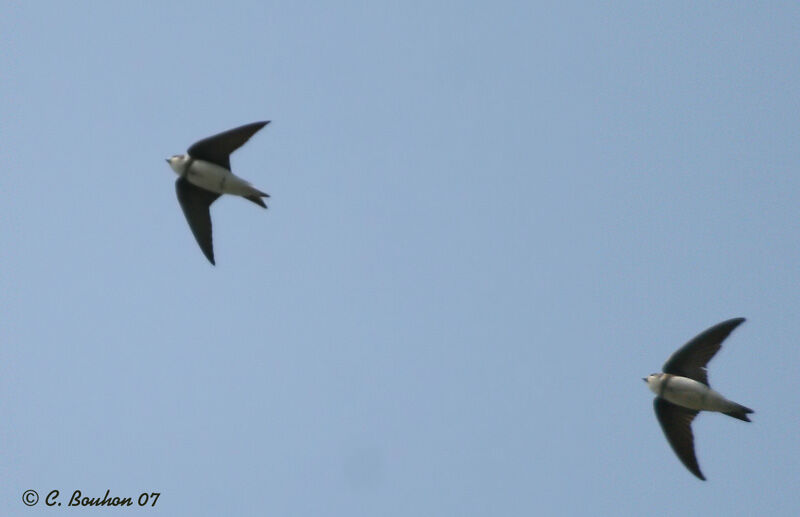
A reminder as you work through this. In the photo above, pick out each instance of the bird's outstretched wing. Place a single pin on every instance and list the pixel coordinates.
(690, 360)
(218, 148)
(196, 202)
(676, 422)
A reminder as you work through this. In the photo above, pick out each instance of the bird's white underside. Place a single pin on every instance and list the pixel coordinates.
(689, 393)
(212, 177)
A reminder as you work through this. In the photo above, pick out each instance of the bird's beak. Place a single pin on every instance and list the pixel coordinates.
(644, 379)
(167, 160)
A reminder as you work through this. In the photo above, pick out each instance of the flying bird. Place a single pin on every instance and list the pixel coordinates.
(204, 174)
(683, 391)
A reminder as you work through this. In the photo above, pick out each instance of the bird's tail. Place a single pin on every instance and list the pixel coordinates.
(739, 411)
(255, 196)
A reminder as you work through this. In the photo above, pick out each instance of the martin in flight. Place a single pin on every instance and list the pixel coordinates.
(683, 391)
(204, 174)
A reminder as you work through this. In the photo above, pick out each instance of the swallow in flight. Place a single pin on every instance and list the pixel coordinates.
(204, 174)
(682, 391)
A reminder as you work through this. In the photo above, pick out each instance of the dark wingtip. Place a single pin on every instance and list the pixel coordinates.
(696, 472)
(735, 322)
(209, 254)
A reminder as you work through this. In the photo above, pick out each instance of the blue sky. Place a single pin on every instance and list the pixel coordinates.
(488, 222)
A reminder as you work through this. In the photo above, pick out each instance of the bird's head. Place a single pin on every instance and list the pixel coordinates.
(178, 162)
(653, 381)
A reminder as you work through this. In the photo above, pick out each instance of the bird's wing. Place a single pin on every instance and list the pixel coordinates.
(218, 148)
(690, 360)
(195, 202)
(676, 422)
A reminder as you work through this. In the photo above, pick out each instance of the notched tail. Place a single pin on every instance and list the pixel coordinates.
(256, 196)
(740, 412)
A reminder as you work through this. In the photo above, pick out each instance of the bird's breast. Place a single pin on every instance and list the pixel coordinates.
(211, 176)
(208, 176)
(692, 394)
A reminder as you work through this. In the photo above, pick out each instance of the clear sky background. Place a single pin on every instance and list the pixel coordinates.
(488, 222)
